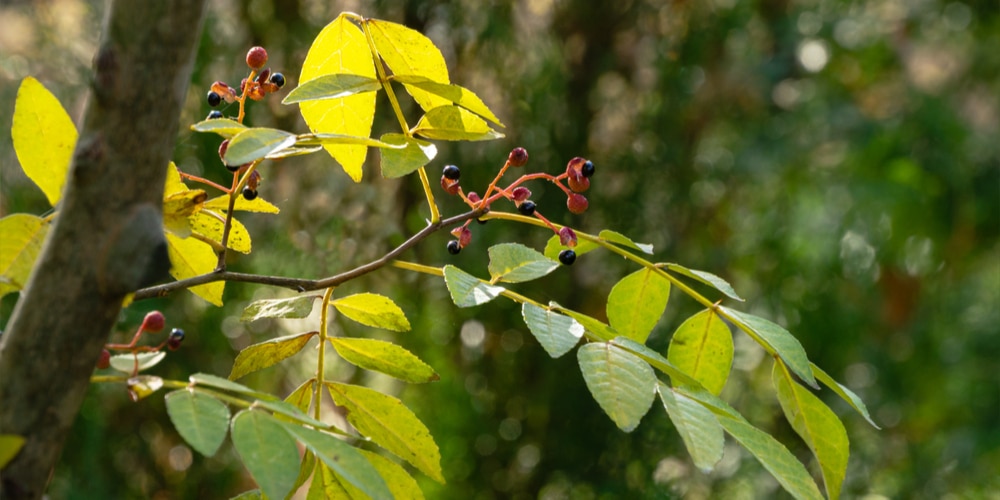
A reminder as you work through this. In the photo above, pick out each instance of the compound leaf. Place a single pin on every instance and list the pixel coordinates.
(200, 419)
(44, 137)
(636, 303)
(384, 357)
(515, 263)
(623, 385)
(703, 347)
(268, 353)
(386, 421)
(375, 310)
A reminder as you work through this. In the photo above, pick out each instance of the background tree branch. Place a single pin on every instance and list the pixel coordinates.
(107, 240)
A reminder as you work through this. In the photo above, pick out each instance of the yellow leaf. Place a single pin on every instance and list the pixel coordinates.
(178, 208)
(189, 258)
(341, 48)
(408, 52)
(211, 224)
(44, 137)
(174, 183)
(258, 204)
(452, 123)
(20, 245)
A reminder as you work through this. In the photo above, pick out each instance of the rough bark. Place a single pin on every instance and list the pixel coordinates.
(107, 240)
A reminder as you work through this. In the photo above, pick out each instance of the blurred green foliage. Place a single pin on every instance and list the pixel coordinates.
(837, 161)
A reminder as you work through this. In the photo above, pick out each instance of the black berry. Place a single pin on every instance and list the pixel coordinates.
(278, 80)
(175, 339)
(249, 193)
(451, 172)
(567, 257)
(587, 169)
(453, 247)
(214, 99)
(527, 208)
(232, 168)
(215, 114)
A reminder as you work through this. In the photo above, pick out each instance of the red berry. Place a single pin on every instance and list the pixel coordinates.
(577, 203)
(264, 75)
(256, 57)
(104, 360)
(153, 322)
(578, 183)
(520, 194)
(450, 186)
(567, 237)
(224, 91)
(473, 197)
(222, 150)
(518, 157)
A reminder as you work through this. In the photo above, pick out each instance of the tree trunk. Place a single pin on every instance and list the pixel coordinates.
(107, 240)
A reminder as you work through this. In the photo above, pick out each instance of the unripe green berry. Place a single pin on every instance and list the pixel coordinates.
(518, 157)
(454, 247)
(451, 172)
(567, 257)
(249, 194)
(527, 208)
(153, 322)
(256, 57)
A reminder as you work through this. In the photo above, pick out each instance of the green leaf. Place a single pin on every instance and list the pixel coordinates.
(23, 235)
(307, 140)
(706, 278)
(386, 421)
(325, 486)
(467, 290)
(817, 425)
(10, 445)
(699, 428)
(777, 341)
(190, 257)
(144, 360)
(621, 239)
(301, 397)
(293, 151)
(351, 466)
(223, 126)
(268, 451)
(341, 48)
(414, 154)
(553, 247)
(335, 86)
(209, 380)
(408, 52)
(292, 307)
(374, 310)
(789, 472)
(656, 360)
(703, 348)
(256, 143)
(287, 412)
(453, 93)
(44, 137)
(248, 495)
(384, 357)
(401, 483)
(258, 204)
(200, 419)
(556, 332)
(516, 263)
(268, 353)
(596, 327)
(452, 123)
(622, 384)
(845, 393)
(306, 466)
(636, 303)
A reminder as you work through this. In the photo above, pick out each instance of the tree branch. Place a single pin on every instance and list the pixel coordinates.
(302, 284)
(108, 239)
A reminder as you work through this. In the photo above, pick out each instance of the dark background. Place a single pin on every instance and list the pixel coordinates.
(836, 161)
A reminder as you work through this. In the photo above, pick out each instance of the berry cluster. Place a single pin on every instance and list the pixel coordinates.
(577, 180)
(153, 323)
(256, 86)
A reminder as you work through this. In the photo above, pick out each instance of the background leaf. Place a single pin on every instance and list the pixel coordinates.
(622, 384)
(268, 451)
(372, 309)
(384, 357)
(202, 420)
(386, 421)
(515, 263)
(636, 303)
(23, 235)
(703, 348)
(556, 332)
(44, 137)
(268, 353)
(341, 48)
